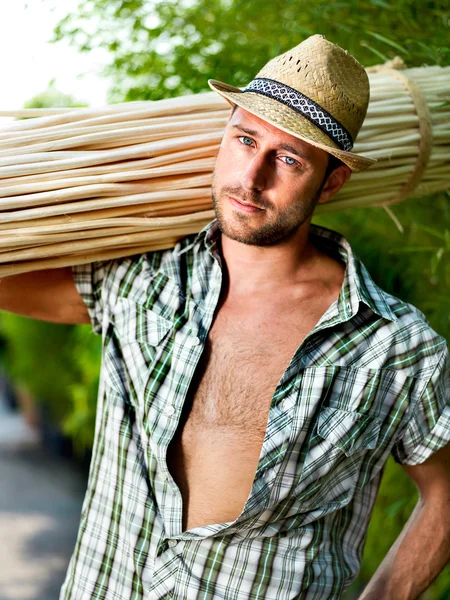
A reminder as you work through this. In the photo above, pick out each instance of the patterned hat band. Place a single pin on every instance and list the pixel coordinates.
(304, 106)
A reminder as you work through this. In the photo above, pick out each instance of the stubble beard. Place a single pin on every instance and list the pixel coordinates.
(274, 231)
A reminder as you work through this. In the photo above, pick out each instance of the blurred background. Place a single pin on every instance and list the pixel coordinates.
(95, 52)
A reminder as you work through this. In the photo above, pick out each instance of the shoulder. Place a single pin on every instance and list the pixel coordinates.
(136, 276)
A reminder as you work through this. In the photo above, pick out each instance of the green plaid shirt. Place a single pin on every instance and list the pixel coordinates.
(369, 380)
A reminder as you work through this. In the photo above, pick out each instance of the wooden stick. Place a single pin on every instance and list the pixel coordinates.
(23, 239)
(154, 209)
(172, 106)
(149, 150)
(165, 160)
(102, 203)
(174, 130)
(83, 258)
(14, 188)
(62, 248)
(144, 222)
(90, 126)
(108, 190)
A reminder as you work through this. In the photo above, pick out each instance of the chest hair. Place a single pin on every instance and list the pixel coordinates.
(237, 376)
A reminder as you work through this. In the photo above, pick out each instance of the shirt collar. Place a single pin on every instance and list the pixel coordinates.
(358, 286)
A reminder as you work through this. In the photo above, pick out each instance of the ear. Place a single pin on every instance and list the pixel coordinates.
(335, 181)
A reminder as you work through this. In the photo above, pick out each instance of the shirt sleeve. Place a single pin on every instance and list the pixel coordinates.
(90, 281)
(428, 428)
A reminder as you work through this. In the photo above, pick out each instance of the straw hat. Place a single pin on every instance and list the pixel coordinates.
(316, 91)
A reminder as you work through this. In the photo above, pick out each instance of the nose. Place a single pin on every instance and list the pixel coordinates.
(254, 176)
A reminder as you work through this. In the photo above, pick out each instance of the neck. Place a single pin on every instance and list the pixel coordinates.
(251, 269)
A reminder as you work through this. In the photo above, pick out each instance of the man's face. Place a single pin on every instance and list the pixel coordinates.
(266, 182)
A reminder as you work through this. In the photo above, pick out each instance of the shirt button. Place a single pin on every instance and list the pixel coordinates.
(196, 342)
(172, 543)
(169, 410)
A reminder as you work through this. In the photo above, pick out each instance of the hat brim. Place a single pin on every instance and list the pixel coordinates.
(281, 116)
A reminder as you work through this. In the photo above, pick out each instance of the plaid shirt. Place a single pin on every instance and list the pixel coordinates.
(371, 378)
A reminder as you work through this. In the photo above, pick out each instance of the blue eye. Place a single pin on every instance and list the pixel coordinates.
(246, 140)
(289, 160)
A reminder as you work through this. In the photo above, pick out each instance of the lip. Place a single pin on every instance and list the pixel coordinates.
(250, 208)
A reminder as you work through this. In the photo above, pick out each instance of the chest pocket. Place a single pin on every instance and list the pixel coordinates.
(345, 424)
(138, 338)
(349, 431)
(332, 468)
(135, 323)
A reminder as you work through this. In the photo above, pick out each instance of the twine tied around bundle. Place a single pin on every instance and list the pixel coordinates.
(395, 68)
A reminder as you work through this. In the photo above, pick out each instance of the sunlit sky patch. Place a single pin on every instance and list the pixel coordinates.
(29, 61)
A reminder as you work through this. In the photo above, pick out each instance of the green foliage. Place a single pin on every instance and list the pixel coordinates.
(52, 97)
(79, 423)
(37, 355)
(59, 365)
(163, 49)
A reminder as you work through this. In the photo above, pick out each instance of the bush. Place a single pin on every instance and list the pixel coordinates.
(59, 366)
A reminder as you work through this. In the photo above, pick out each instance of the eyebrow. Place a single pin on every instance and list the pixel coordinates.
(245, 130)
(296, 151)
(286, 147)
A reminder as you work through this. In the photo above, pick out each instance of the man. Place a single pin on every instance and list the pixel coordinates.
(255, 379)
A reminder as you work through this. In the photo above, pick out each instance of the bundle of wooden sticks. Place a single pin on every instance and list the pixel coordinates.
(79, 185)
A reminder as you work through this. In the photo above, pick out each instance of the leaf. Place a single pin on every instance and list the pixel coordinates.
(414, 249)
(375, 51)
(435, 261)
(381, 4)
(394, 509)
(431, 231)
(381, 38)
(303, 30)
(447, 238)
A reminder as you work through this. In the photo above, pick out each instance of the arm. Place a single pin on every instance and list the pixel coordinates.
(423, 547)
(48, 295)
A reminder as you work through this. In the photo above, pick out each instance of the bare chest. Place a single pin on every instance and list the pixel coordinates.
(246, 354)
(242, 365)
(214, 453)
